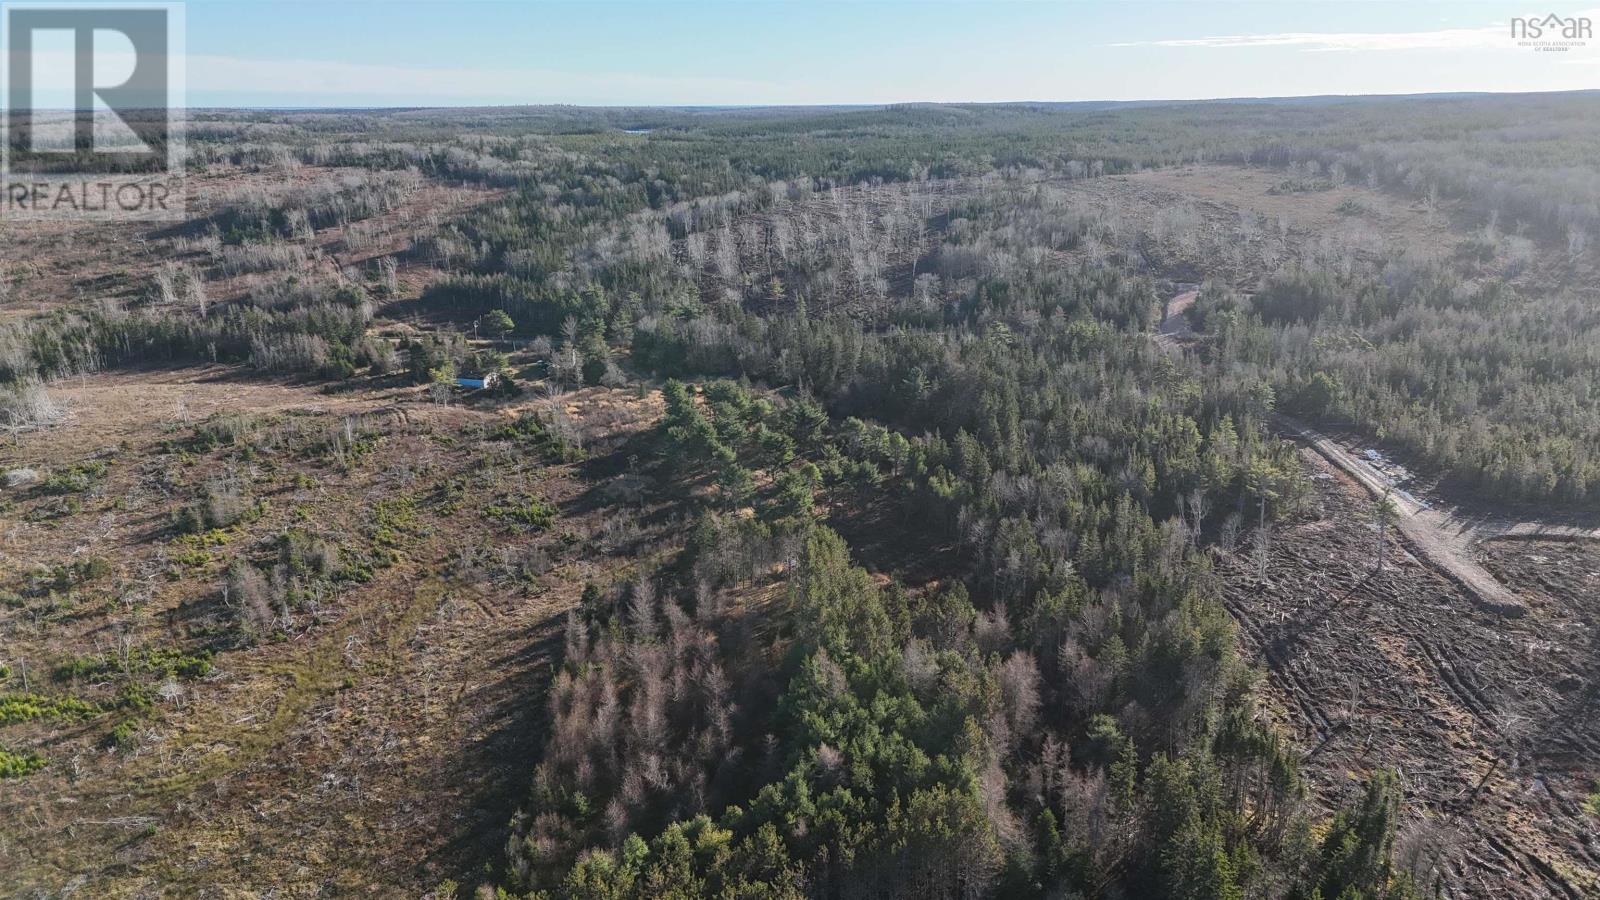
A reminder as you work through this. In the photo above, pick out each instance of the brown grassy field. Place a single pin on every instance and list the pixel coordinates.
(1245, 226)
(53, 265)
(380, 735)
(1490, 718)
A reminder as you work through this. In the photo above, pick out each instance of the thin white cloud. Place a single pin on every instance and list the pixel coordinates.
(402, 84)
(1445, 39)
(226, 74)
(1493, 36)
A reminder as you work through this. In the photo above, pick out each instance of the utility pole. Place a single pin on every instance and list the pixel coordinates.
(1262, 482)
(1384, 511)
(1261, 541)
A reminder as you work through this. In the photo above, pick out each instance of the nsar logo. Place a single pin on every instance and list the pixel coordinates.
(1552, 32)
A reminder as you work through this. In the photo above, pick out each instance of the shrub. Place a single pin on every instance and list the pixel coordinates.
(221, 431)
(23, 707)
(80, 667)
(73, 479)
(1301, 186)
(16, 765)
(28, 405)
(1476, 249)
(221, 507)
(164, 662)
(532, 431)
(122, 736)
(523, 513)
(304, 553)
(248, 594)
(65, 576)
(187, 519)
(261, 257)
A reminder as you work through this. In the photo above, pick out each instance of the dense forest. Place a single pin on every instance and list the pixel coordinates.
(748, 215)
(905, 320)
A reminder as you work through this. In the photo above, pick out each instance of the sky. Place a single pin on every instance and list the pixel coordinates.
(330, 53)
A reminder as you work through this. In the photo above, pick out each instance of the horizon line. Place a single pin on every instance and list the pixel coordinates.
(1403, 95)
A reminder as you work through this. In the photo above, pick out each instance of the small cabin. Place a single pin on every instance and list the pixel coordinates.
(487, 381)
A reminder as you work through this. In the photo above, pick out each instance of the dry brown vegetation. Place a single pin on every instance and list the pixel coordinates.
(1491, 719)
(310, 626)
(58, 264)
(299, 759)
(1233, 224)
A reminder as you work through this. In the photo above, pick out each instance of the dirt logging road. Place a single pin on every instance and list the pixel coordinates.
(1492, 721)
(1446, 539)
(1481, 693)
(1175, 325)
(1434, 535)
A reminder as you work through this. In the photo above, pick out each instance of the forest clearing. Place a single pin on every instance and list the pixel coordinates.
(932, 500)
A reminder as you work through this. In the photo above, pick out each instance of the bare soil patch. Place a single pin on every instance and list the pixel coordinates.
(55, 265)
(378, 744)
(1235, 224)
(1484, 717)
